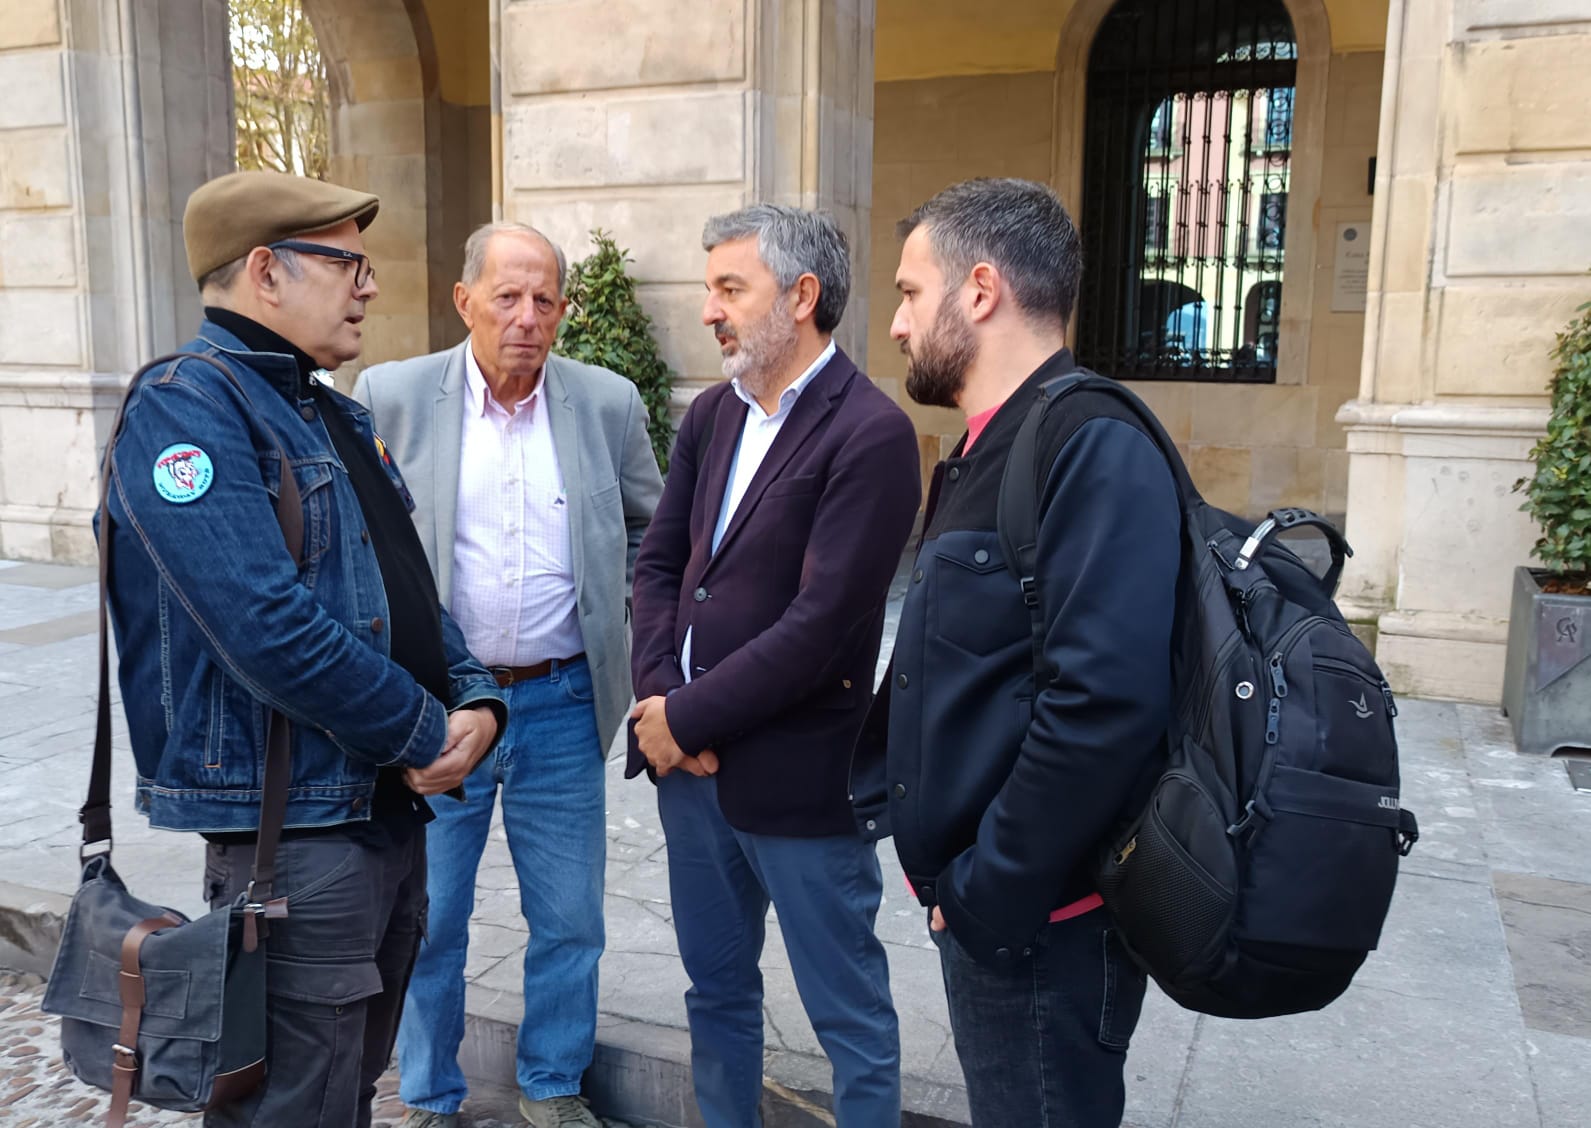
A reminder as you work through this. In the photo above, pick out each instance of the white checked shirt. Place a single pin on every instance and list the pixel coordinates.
(756, 439)
(513, 569)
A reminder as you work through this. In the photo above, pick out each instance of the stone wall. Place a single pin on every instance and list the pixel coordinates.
(1250, 448)
(113, 113)
(1481, 243)
(928, 134)
(646, 118)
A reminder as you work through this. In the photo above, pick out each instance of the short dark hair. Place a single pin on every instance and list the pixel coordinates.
(792, 242)
(1018, 226)
(222, 277)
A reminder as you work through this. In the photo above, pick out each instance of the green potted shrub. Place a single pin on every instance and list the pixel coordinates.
(1547, 682)
(605, 325)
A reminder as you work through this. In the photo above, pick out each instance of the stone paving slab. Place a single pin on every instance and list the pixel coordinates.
(37, 1090)
(1489, 910)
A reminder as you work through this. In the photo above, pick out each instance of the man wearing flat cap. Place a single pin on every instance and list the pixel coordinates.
(218, 626)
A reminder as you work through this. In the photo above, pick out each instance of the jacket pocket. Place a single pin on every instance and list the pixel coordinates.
(606, 496)
(973, 589)
(234, 727)
(314, 476)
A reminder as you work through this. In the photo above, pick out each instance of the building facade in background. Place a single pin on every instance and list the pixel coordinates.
(1330, 241)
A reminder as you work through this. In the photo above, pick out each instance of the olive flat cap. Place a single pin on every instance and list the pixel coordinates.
(229, 216)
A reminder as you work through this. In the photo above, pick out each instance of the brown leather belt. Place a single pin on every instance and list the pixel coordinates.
(509, 675)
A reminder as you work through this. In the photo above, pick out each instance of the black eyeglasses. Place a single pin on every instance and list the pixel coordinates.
(363, 270)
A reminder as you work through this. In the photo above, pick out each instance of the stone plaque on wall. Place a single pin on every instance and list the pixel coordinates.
(1350, 272)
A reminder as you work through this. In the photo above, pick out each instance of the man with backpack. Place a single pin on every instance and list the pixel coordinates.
(999, 797)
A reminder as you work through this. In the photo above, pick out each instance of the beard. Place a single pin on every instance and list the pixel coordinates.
(936, 369)
(765, 349)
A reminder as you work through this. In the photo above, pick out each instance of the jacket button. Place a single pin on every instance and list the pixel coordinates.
(917, 576)
(846, 684)
(375, 625)
(357, 804)
(308, 413)
(364, 536)
(902, 680)
(700, 595)
(1027, 951)
(981, 556)
(900, 791)
(1002, 953)
(953, 473)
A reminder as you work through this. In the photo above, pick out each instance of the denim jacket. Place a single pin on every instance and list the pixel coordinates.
(215, 625)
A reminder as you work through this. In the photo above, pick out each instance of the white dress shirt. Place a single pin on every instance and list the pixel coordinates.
(513, 569)
(756, 439)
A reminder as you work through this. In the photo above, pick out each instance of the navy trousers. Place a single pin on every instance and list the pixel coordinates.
(826, 894)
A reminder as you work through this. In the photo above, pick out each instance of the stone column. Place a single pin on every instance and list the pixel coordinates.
(113, 113)
(1481, 241)
(644, 117)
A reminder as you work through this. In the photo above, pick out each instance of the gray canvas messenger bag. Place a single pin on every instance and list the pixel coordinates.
(156, 1007)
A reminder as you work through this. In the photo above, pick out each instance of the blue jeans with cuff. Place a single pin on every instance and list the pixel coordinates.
(548, 769)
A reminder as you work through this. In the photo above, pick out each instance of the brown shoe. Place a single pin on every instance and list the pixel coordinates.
(557, 1112)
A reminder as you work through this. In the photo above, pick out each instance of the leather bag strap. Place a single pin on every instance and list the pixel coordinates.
(95, 813)
(125, 1068)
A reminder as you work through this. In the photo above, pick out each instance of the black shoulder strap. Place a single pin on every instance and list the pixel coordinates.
(1017, 511)
(95, 813)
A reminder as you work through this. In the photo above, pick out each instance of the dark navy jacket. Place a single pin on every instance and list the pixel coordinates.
(998, 801)
(787, 614)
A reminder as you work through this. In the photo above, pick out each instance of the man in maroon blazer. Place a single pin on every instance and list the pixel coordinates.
(758, 608)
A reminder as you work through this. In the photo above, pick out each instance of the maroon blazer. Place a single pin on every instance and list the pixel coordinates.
(787, 615)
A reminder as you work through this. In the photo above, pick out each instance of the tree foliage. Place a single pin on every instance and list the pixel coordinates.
(279, 88)
(606, 326)
(1560, 491)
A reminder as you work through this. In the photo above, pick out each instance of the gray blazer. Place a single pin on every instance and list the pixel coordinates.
(609, 474)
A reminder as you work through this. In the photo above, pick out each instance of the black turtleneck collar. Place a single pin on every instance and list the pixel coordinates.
(258, 338)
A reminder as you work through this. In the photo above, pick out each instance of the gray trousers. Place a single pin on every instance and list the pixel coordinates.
(337, 968)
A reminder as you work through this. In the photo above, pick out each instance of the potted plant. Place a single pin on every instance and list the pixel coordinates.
(1547, 681)
(606, 326)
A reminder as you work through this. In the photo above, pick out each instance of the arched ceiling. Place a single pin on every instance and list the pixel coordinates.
(936, 38)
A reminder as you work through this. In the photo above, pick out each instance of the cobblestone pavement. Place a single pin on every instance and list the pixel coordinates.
(36, 1091)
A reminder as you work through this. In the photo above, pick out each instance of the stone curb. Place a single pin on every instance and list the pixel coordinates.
(641, 1071)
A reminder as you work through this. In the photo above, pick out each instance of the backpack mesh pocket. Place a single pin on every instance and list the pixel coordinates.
(1175, 909)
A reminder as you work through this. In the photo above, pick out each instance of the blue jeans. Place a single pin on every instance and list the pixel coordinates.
(827, 892)
(1043, 1042)
(548, 766)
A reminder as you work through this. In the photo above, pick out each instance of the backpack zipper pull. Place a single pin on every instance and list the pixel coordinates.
(1278, 678)
(1273, 721)
(1386, 695)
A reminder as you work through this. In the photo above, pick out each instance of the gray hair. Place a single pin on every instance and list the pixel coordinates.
(792, 242)
(1018, 226)
(475, 249)
(221, 278)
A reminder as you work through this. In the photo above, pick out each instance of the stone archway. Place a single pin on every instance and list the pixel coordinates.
(381, 67)
(1312, 32)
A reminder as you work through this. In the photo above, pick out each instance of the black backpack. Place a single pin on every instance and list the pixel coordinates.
(1257, 877)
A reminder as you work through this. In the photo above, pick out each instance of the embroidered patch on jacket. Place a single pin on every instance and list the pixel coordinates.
(183, 473)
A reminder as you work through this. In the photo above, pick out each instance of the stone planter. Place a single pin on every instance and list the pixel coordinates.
(1547, 679)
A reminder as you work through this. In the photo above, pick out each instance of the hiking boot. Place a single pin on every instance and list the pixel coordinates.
(425, 1118)
(557, 1112)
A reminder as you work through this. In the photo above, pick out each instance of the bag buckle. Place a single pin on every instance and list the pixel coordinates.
(88, 851)
(1246, 825)
(126, 1059)
(1030, 591)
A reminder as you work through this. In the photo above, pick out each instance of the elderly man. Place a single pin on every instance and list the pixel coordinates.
(217, 626)
(533, 479)
(759, 605)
